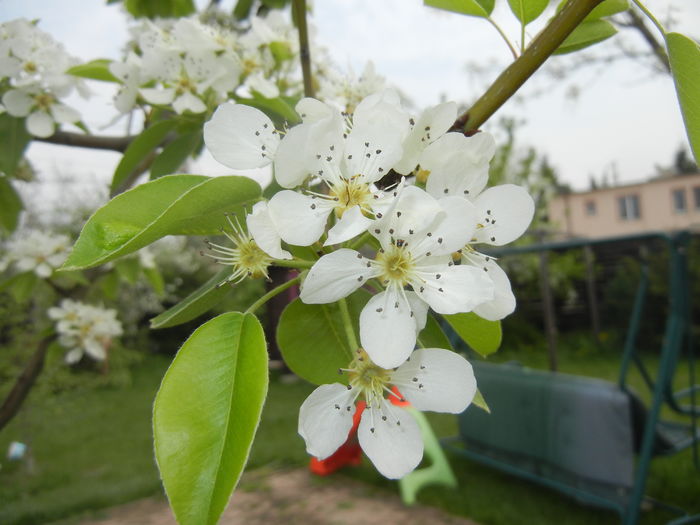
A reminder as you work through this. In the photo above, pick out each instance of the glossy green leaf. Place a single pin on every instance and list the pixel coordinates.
(206, 414)
(480, 8)
(684, 55)
(155, 279)
(159, 8)
(15, 138)
(278, 109)
(527, 10)
(608, 8)
(198, 302)
(312, 338)
(174, 155)
(21, 286)
(484, 337)
(10, 205)
(480, 402)
(585, 35)
(432, 335)
(95, 70)
(143, 145)
(172, 205)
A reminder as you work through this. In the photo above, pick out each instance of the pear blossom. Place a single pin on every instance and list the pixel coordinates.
(252, 251)
(458, 166)
(418, 235)
(85, 329)
(430, 379)
(346, 90)
(36, 251)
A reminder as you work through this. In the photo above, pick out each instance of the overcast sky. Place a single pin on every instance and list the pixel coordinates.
(624, 116)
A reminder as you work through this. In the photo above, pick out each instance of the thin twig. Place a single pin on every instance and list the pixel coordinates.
(515, 75)
(299, 8)
(66, 138)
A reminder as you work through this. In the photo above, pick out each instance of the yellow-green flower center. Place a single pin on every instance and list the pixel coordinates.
(368, 377)
(349, 193)
(396, 264)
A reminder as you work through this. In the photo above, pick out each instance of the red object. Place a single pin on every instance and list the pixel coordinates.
(398, 399)
(349, 453)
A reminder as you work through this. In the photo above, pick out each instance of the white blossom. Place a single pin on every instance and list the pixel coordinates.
(431, 379)
(36, 251)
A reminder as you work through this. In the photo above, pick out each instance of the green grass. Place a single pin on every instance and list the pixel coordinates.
(92, 449)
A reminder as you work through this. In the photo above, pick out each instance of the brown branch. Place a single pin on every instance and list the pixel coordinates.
(299, 10)
(66, 138)
(515, 75)
(25, 382)
(637, 22)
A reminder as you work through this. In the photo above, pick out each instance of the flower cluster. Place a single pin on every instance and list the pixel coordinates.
(415, 247)
(195, 66)
(85, 329)
(36, 251)
(34, 78)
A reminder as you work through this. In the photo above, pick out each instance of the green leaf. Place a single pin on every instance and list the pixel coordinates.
(172, 205)
(139, 149)
(160, 8)
(480, 8)
(608, 8)
(481, 402)
(201, 300)
(128, 269)
(317, 357)
(95, 70)
(10, 205)
(175, 154)
(684, 55)
(155, 279)
(109, 285)
(242, 9)
(281, 52)
(275, 108)
(527, 10)
(206, 414)
(481, 335)
(15, 138)
(432, 336)
(586, 34)
(20, 286)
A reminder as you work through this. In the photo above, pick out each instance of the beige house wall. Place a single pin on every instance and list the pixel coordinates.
(656, 209)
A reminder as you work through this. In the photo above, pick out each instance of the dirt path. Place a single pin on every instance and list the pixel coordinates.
(291, 497)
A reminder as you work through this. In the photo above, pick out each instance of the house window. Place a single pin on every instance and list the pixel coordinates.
(696, 197)
(678, 199)
(629, 207)
(591, 209)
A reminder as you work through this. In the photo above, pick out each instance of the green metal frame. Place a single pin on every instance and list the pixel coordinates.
(677, 334)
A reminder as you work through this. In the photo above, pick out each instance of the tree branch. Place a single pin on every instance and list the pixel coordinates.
(24, 382)
(299, 9)
(515, 75)
(66, 138)
(637, 22)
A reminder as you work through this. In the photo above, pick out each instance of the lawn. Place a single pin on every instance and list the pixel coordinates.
(92, 448)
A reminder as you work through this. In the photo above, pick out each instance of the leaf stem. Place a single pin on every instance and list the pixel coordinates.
(272, 293)
(347, 323)
(650, 16)
(299, 12)
(503, 36)
(515, 75)
(293, 263)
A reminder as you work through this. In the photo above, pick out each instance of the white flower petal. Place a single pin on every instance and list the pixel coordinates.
(371, 151)
(388, 329)
(325, 419)
(264, 233)
(64, 114)
(299, 219)
(458, 165)
(352, 223)
(311, 110)
(503, 303)
(188, 102)
(454, 229)
(17, 103)
(420, 310)
(74, 355)
(40, 124)
(391, 438)
(505, 212)
(258, 82)
(241, 137)
(95, 349)
(158, 96)
(455, 289)
(431, 125)
(437, 380)
(335, 276)
(411, 214)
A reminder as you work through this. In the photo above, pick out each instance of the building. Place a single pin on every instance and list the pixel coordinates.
(663, 204)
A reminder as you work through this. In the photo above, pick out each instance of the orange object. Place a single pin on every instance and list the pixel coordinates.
(349, 453)
(399, 401)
